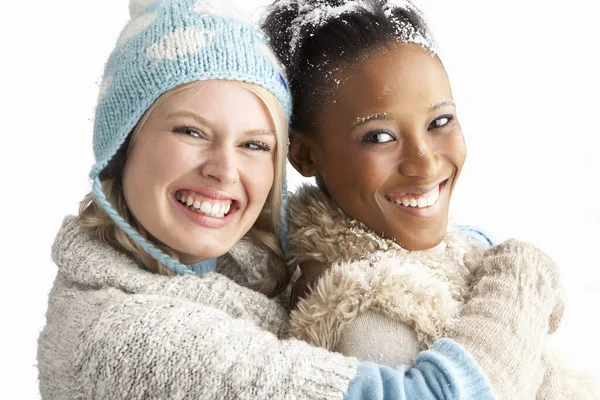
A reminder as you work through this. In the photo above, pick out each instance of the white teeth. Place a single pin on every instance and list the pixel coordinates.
(433, 198)
(217, 209)
(205, 208)
(426, 200)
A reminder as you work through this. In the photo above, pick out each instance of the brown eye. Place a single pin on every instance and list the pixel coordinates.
(440, 122)
(378, 137)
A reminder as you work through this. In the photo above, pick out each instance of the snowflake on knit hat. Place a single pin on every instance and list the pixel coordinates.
(104, 86)
(136, 26)
(180, 42)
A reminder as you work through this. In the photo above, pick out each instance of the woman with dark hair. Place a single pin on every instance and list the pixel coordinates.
(383, 273)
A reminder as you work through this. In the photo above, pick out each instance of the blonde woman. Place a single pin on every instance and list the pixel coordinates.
(151, 299)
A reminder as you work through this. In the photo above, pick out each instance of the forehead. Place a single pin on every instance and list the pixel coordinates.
(219, 102)
(400, 76)
(208, 93)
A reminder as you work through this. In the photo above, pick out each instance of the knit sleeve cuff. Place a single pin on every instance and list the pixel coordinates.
(322, 375)
(447, 371)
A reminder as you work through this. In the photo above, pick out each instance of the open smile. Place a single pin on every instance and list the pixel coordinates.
(207, 209)
(216, 208)
(422, 202)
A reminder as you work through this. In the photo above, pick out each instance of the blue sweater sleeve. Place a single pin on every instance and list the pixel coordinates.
(446, 371)
(478, 234)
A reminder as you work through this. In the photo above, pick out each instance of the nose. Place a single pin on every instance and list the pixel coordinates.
(418, 159)
(220, 165)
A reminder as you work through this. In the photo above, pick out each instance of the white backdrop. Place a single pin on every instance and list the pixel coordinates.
(525, 78)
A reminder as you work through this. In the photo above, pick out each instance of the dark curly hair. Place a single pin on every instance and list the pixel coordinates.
(313, 38)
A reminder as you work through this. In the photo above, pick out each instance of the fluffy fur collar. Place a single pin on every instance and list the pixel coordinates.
(421, 288)
(321, 231)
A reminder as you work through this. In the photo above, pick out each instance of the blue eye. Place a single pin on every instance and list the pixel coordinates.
(440, 122)
(186, 130)
(378, 137)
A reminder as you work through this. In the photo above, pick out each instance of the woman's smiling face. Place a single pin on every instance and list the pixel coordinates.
(389, 148)
(201, 168)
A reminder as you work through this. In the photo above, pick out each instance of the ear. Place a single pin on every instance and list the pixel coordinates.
(302, 154)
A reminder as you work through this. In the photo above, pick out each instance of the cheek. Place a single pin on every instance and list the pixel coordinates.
(460, 151)
(356, 169)
(453, 149)
(135, 178)
(258, 179)
(152, 166)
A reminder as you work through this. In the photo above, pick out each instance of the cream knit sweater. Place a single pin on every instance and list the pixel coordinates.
(115, 331)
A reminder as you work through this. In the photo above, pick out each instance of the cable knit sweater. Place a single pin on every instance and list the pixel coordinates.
(362, 292)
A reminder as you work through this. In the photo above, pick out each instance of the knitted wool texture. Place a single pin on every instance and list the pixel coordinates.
(166, 44)
(377, 293)
(115, 331)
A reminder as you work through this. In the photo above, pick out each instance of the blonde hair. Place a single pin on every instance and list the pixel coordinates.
(264, 232)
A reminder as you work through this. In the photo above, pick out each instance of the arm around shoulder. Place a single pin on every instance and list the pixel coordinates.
(157, 347)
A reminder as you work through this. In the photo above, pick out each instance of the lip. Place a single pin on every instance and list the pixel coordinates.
(206, 192)
(429, 211)
(420, 190)
(202, 219)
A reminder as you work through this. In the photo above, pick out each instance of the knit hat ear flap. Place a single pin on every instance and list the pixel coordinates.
(283, 219)
(137, 6)
(145, 244)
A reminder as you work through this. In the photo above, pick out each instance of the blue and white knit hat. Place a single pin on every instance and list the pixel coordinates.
(168, 43)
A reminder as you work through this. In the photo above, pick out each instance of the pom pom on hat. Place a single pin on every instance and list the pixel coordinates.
(176, 42)
(137, 6)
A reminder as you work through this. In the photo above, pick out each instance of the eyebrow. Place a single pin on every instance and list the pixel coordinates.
(251, 132)
(189, 115)
(386, 116)
(260, 132)
(441, 104)
(373, 117)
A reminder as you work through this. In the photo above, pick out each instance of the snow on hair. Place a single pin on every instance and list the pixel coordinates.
(314, 14)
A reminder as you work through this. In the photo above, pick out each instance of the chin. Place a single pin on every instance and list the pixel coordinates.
(425, 241)
(200, 249)
(195, 256)
(414, 246)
